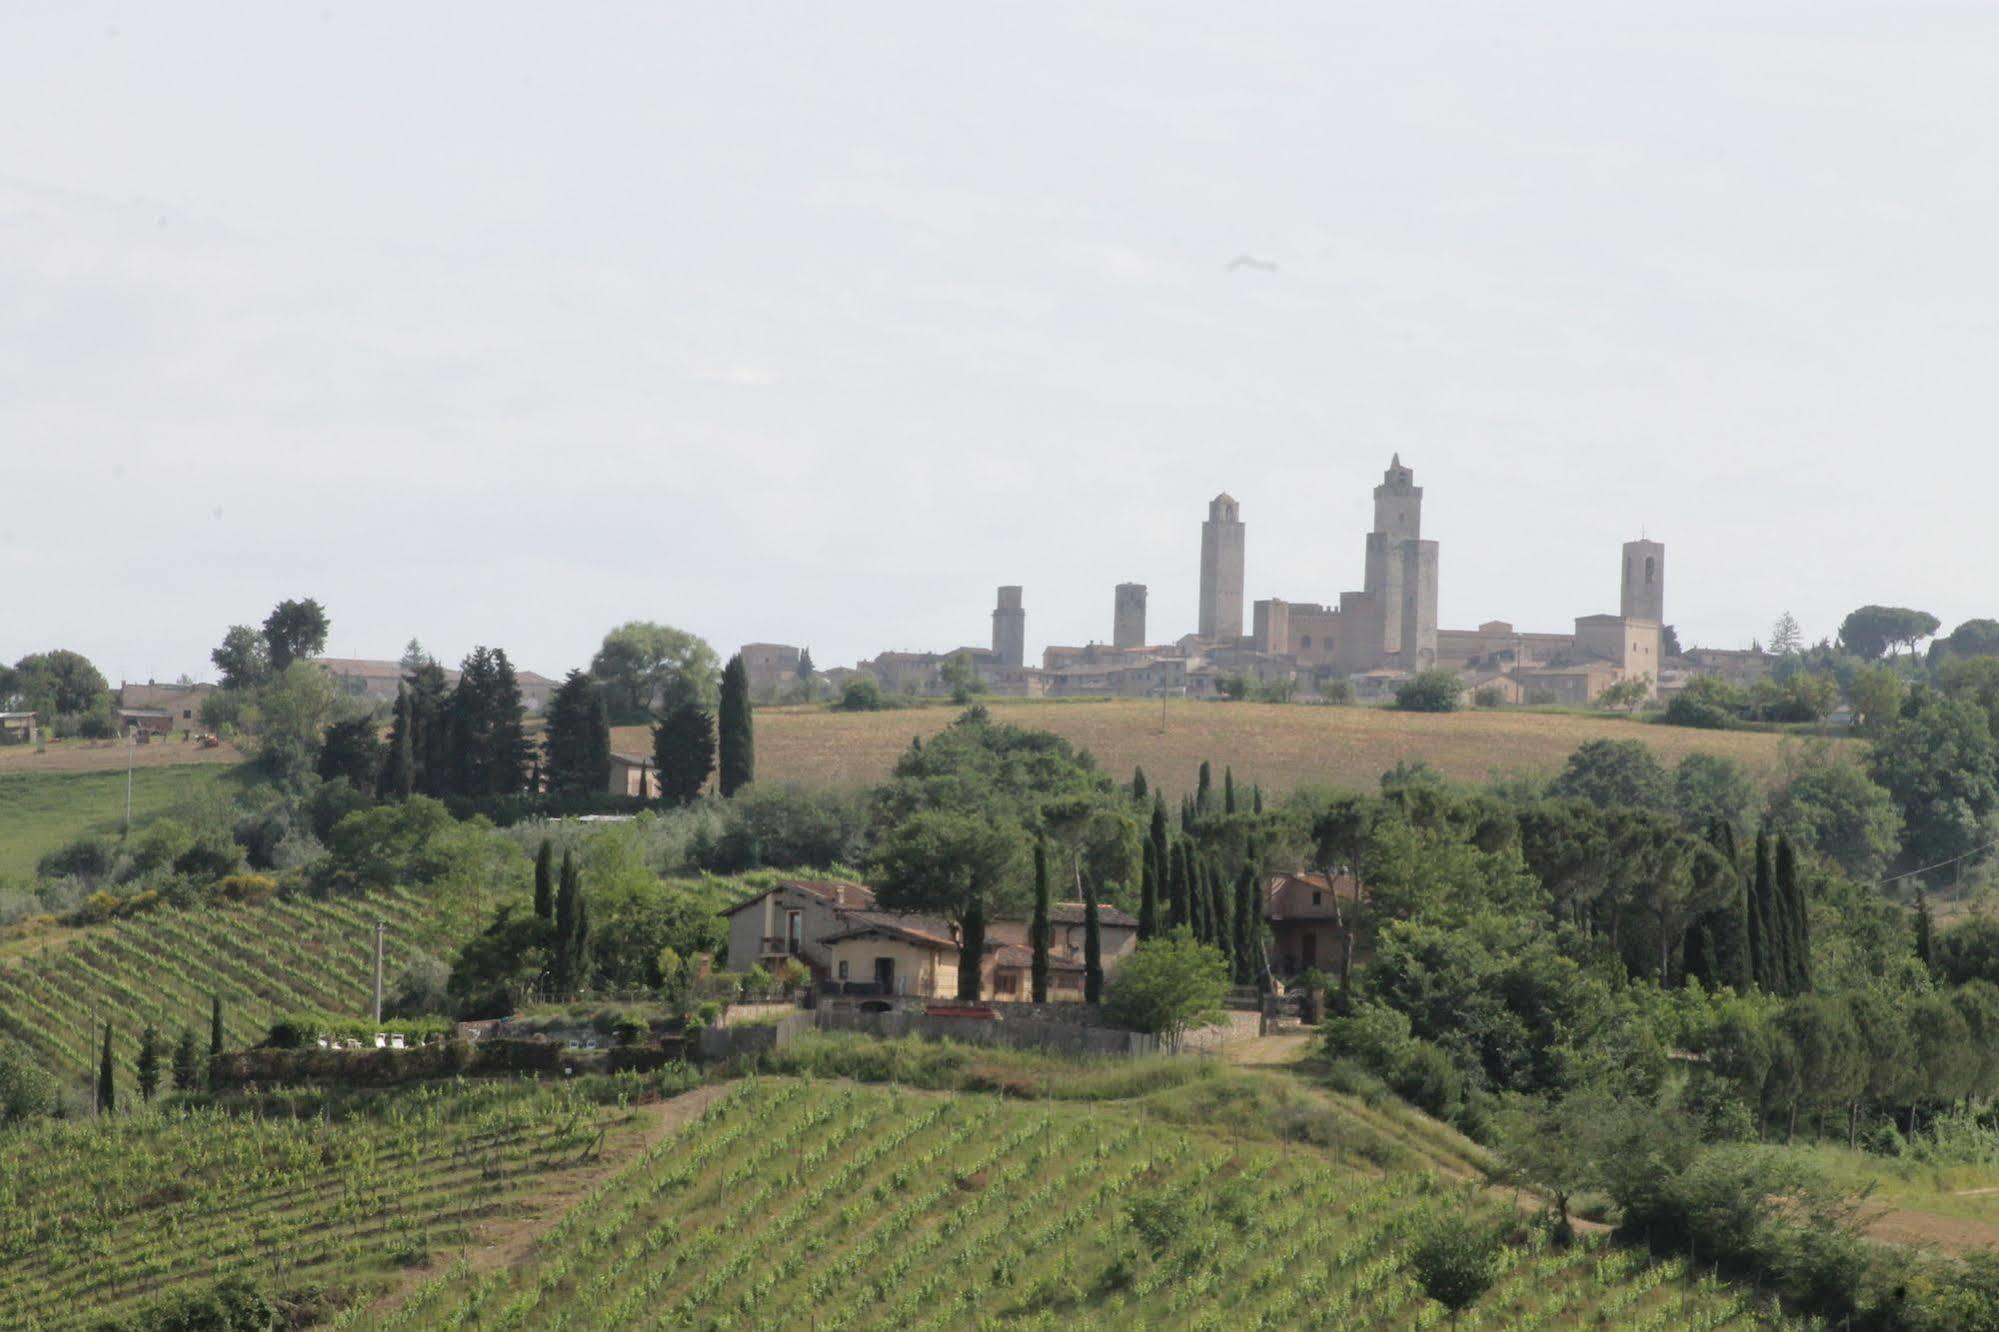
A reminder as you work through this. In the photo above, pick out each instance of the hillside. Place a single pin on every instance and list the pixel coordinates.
(1279, 746)
(43, 807)
(803, 1203)
(106, 1216)
(162, 966)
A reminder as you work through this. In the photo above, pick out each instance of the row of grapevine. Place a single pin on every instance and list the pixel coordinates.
(163, 967)
(106, 1213)
(799, 1204)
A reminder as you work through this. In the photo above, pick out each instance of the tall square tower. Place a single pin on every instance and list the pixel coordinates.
(1009, 628)
(1128, 616)
(1221, 569)
(1644, 595)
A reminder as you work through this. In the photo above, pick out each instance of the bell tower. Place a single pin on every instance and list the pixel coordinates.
(1644, 594)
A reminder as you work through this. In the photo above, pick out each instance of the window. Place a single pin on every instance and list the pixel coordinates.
(794, 931)
(1315, 897)
(843, 970)
(1651, 567)
(1306, 642)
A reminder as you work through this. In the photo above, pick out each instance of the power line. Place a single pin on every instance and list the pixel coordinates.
(1896, 878)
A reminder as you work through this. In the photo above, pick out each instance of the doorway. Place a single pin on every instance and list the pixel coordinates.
(885, 974)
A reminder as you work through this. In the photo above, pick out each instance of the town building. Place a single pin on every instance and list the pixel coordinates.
(181, 702)
(376, 680)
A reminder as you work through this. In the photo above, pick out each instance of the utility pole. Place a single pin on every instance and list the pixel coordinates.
(379, 927)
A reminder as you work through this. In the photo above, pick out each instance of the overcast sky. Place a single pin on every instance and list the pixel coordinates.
(503, 324)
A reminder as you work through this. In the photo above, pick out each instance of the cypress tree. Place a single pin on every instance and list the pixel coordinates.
(107, 1092)
(1248, 927)
(1925, 948)
(579, 736)
(1093, 946)
(148, 1066)
(1797, 921)
(1197, 896)
(1204, 789)
(1221, 915)
(645, 783)
(568, 896)
(1228, 790)
(1756, 916)
(399, 773)
(1148, 894)
(544, 881)
(972, 949)
(187, 1062)
(1176, 886)
(1256, 798)
(683, 751)
(1040, 930)
(1138, 787)
(1697, 952)
(738, 744)
(214, 1025)
(1187, 814)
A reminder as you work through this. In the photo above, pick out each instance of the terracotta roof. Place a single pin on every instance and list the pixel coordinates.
(836, 894)
(1020, 955)
(1071, 913)
(916, 929)
(1342, 887)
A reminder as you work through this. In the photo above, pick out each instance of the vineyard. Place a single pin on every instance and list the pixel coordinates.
(163, 966)
(104, 1215)
(807, 1204)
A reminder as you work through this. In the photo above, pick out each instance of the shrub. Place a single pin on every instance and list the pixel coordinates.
(1708, 702)
(255, 889)
(1168, 985)
(1431, 691)
(862, 694)
(1339, 692)
(88, 857)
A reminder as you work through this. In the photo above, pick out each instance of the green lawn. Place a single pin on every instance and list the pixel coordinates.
(39, 811)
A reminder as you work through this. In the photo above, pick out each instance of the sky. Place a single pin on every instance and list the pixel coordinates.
(503, 324)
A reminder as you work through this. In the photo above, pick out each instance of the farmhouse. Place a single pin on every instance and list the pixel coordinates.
(18, 728)
(1308, 915)
(182, 702)
(852, 948)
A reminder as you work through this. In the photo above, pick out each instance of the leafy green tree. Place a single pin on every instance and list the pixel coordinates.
(60, 684)
(962, 677)
(963, 866)
(1708, 702)
(805, 670)
(861, 694)
(1711, 787)
(1831, 806)
(735, 737)
(243, 658)
(1168, 985)
(1974, 680)
(1871, 630)
(1040, 930)
(1626, 694)
(434, 770)
(26, 1089)
(579, 737)
(648, 668)
(297, 706)
(1455, 1261)
(544, 880)
(1968, 951)
(107, 1088)
(1940, 767)
(1614, 773)
(683, 753)
(1877, 694)
(1786, 635)
(294, 631)
(186, 1063)
(148, 1065)
(1561, 1144)
(498, 969)
(352, 749)
(1438, 690)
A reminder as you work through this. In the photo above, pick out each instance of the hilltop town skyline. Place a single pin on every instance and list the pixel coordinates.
(830, 373)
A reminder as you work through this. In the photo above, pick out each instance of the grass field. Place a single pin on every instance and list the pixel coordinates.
(41, 809)
(107, 1215)
(799, 1203)
(1277, 746)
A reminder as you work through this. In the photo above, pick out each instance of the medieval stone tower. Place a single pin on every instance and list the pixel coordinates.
(1221, 570)
(1128, 616)
(1401, 582)
(1010, 629)
(1644, 596)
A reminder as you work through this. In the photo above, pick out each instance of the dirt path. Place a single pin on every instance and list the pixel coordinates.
(1927, 1230)
(507, 1240)
(1274, 1051)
